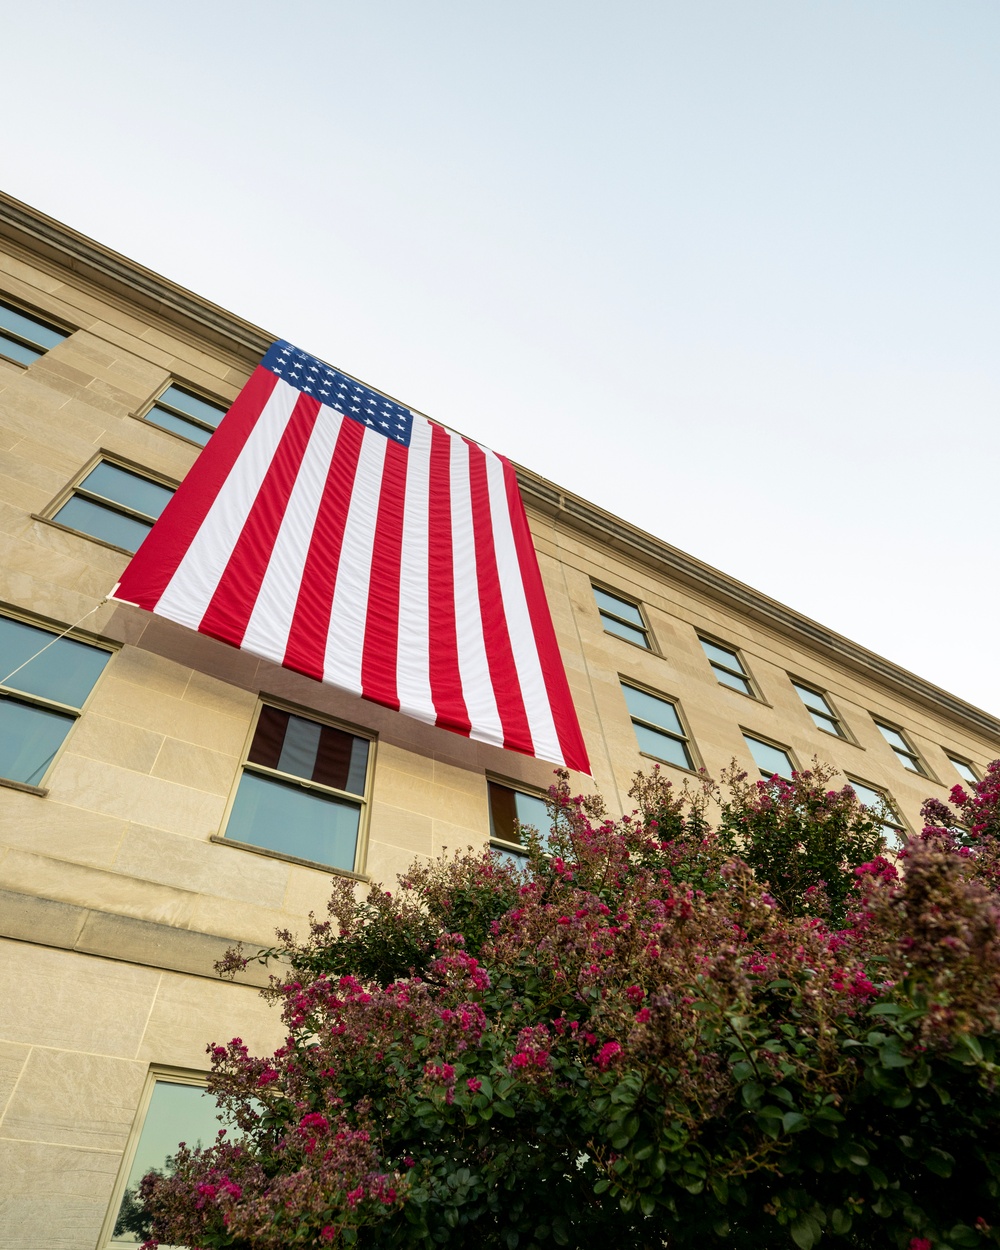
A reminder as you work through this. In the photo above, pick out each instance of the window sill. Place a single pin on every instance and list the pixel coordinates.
(66, 529)
(7, 784)
(289, 859)
(151, 425)
(691, 772)
(754, 698)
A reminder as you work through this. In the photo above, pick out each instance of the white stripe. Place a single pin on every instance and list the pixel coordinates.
(345, 640)
(190, 590)
(271, 620)
(413, 681)
(473, 666)
(531, 679)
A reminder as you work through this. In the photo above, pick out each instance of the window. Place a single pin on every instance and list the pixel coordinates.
(40, 702)
(728, 668)
(114, 505)
(892, 827)
(770, 759)
(658, 727)
(621, 618)
(964, 770)
(822, 713)
(172, 1110)
(510, 808)
(24, 338)
(182, 412)
(302, 790)
(903, 751)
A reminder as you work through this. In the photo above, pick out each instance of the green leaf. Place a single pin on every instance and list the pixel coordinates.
(647, 1204)
(794, 1122)
(504, 1109)
(963, 1235)
(602, 1185)
(560, 1231)
(751, 1094)
(939, 1162)
(885, 1009)
(890, 1056)
(840, 1221)
(512, 1239)
(805, 1232)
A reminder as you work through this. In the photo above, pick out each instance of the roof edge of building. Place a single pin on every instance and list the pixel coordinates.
(652, 552)
(110, 270)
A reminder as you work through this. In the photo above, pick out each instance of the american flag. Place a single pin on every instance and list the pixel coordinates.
(337, 533)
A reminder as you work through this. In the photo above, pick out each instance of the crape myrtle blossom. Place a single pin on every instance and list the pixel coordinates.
(640, 1040)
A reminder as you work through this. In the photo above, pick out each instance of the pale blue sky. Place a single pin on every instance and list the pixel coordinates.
(729, 270)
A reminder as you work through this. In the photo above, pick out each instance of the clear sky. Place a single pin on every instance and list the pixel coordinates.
(728, 269)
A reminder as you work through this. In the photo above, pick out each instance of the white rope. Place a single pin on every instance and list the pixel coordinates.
(68, 629)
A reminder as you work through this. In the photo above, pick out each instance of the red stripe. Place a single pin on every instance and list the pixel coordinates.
(496, 635)
(445, 678)
(306, 650)
(560, 700)
(156, 561)
(378, 662)
(232, 604)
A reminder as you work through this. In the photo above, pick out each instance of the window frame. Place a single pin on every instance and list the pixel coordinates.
(900, 824)
(156, 1072)
(68, 710)
(363, 802)
(777, 746)
(650, 648)
(142, 414)
(72, 488)
(518, 787)
(844, 734)
(922, 768)
(955, 760)
(45, 319)
(746, 675)
(687, 738)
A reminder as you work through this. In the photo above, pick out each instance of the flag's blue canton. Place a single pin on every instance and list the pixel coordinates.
(313, 377)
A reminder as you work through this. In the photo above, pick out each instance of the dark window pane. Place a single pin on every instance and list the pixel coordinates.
(729, 659)
(284, 817)
(965, 771)
(618, 607)
(268, 737)
(662, 746)
(503, 813)
(867, 795)
(170, 421)
(769, 759)
(175, 397)
(20, 352)
(622, 630)
(304, 748)
(657, 711)
(29, 739)
(100, 522)
(731, 680)
(28, 328)
(176, 1113)
(121, 486)
(511, 808)
(65, 672)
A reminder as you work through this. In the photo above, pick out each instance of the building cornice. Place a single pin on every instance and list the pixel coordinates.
(99, 266)
(649, 552)
(110, 271)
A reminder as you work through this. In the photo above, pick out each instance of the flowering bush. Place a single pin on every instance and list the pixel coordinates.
(654, 1036)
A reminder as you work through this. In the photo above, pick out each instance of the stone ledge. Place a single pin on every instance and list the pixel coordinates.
(68, 926)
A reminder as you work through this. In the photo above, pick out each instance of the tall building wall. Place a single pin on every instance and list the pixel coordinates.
(121, 881)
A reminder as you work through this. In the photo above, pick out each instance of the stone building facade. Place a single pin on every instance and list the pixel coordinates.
(127, 860)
